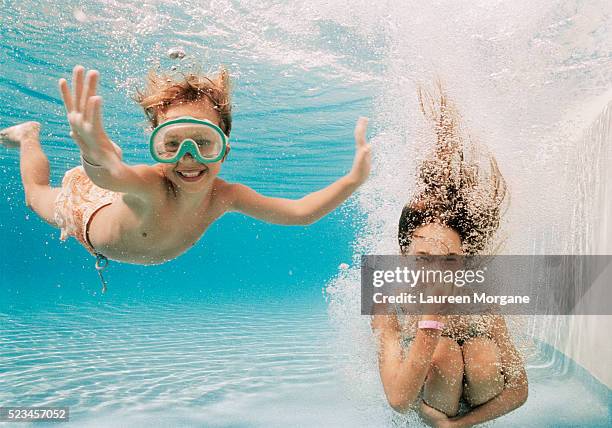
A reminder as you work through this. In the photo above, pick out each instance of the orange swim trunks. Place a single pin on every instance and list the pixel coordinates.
(76, 204)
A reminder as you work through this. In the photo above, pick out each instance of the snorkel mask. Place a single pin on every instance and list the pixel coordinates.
(202, 139)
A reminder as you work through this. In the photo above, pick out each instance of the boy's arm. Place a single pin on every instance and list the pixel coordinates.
(515, 390)
(311, 207)
(302, 211)
(101, 158)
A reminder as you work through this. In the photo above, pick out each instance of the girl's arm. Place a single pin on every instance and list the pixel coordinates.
(311, 207)
(515, 390)
(101, 157)
(403, 375)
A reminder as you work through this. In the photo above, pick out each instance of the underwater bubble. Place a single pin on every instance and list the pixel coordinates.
(79, 15)
(176, 53)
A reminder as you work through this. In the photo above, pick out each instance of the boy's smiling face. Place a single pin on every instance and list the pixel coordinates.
(188, 174)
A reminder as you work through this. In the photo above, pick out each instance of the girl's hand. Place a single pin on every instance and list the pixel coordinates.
(363, 155)
(435, 418)
(85, 117)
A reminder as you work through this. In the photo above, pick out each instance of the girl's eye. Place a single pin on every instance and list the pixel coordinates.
(203, 142)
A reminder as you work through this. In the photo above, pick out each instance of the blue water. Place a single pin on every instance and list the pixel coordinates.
(235, 332)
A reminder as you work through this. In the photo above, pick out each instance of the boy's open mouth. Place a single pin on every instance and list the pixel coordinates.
(191, 175)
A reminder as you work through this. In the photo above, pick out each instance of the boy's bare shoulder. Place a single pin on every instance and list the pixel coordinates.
(155, 186)
(152, 175)
(222, 188)
(227, 192)
(152, 172)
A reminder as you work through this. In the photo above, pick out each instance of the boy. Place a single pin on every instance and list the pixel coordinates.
(150, 214)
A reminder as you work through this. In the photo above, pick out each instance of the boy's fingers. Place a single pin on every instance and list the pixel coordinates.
(360, 131)
(89, 109)
(77, 128)
(96, 118)
(65, 92)
(91, 80)
(77, 81)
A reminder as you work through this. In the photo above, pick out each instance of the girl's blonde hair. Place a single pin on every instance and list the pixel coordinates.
(164, 90)
(453, 190)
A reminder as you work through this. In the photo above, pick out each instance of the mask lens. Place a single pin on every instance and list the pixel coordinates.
(208, 141)
(168, 140)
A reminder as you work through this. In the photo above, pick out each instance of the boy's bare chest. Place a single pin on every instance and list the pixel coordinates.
(128, 232)
(173, 226)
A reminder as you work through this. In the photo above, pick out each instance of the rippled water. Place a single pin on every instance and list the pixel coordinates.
(198, 362)
(236, 332)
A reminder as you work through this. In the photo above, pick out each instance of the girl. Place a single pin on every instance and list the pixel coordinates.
(457, 371)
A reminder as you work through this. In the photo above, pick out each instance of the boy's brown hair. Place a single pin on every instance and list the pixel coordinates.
(163, 90)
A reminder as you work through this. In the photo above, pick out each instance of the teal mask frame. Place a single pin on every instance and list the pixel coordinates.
(188, 145)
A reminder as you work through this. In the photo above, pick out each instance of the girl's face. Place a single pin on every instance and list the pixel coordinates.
(188, 174)
(434, 239)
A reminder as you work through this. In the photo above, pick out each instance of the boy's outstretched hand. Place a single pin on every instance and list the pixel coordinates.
(363, 154)
(85, 117)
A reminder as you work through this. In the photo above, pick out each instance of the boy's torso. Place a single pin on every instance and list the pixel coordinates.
(133, 231)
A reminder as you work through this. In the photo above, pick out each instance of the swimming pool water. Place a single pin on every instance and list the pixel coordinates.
(235, 332)
(197, 363)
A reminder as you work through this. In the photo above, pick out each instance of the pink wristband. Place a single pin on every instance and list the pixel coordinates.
(437, 325)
